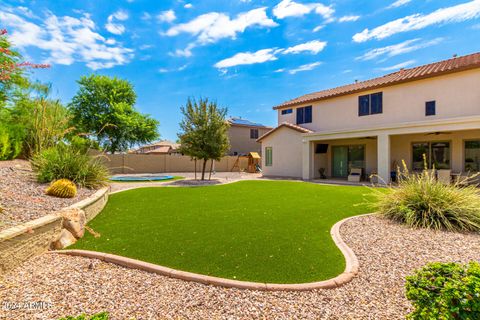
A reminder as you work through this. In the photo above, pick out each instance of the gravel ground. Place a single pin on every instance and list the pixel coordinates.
(387, 253)
(23, 199)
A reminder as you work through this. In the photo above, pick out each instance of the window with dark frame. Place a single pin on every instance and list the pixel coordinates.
(287, 111)
(304, 115)
(430, 107)
(437, 155)
(370, 104)
(253, 133)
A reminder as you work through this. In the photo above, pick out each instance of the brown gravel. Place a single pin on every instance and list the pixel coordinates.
(387, 252)
(23, 199)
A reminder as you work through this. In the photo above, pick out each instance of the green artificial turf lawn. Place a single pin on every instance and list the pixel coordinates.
(262, 231)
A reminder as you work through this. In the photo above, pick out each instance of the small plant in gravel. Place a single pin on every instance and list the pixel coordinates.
(445, 291)
(62, 188)
(98, 316)
(421, 201)
(67, 162)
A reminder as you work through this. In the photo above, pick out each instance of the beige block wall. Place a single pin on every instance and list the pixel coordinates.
(159, 163)
(286, 153)
(240, 141)
(401, 146)
(456, 95)
(325, 160)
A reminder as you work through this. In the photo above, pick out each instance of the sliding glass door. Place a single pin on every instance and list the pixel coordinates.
(347, 157)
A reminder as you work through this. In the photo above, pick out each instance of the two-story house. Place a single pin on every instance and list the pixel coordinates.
(243, 135)
(431, 110)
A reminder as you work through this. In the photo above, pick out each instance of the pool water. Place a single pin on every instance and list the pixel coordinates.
(140, 178)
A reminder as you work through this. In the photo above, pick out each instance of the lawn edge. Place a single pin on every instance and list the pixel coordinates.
(351, 268)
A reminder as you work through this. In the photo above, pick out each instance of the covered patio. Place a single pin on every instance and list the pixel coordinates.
(447, 144)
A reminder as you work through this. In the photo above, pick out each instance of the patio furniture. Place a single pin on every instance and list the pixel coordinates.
(444, 176)
(355, 175)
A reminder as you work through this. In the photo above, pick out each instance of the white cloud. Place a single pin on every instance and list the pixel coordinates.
(289, 8)
(165, 70)
(66, 40)
(398, 3)
(213, 26)
(113, 26)
(350, 18)
(314, 47)
(458, 13)
(269, 54)
(166, 16)
(305, 67)
(400, 48)
(188, 6)
(244, 58)
(187, 52)
(318, 28)
(399, 66)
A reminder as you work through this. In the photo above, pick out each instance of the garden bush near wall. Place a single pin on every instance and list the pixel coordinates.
(445, 291)
(421, 201)
(67, 162)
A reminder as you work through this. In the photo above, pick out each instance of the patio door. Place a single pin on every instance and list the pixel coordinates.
(340, 161)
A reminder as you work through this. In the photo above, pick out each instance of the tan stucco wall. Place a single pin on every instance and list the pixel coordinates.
(402, 146)
(286, 153)
(456, 95)
(160, 163)
(240, 141)
(325, 160)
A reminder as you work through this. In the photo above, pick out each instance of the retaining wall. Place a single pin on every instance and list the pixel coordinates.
(21, 242)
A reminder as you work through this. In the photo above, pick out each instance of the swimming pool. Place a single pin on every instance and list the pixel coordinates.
(140, 178)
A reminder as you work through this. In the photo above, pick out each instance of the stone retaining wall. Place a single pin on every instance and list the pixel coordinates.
(21, 242)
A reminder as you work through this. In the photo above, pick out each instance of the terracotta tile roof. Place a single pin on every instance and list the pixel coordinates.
(456, 64)
(286, 125)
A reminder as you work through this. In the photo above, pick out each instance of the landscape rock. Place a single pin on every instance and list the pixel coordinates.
(74, 221)
(65, 239)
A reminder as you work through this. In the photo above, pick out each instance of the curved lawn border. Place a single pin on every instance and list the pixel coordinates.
(351, 269)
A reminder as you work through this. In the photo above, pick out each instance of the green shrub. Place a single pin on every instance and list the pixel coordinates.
(66, 162)
(421, 201)
(11, 143)
(98, 316)
(445, 291)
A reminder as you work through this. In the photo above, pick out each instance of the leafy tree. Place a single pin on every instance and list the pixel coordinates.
(104, 109)
(12, 70)
(204, 131)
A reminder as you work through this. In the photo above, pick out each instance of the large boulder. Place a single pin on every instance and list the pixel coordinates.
(65, 239)
(74, 221)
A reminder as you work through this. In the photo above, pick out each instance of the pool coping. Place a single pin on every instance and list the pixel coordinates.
(351, 268)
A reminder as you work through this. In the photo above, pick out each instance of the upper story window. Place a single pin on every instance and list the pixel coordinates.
(430, 107)
(286, 111)
(370, 104)
(304, 115)
(253, 133)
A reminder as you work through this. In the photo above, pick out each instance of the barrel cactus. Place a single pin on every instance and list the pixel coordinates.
(62, 188)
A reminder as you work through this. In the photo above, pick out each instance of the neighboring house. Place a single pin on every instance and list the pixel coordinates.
(160, 147)
(376, 124)
(243, 135)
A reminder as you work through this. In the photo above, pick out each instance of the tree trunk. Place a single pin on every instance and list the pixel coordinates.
(195, 168)
(203, 168)
(211, 167)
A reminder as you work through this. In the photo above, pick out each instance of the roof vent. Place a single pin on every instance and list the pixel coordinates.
(455, 55)
(356, 80)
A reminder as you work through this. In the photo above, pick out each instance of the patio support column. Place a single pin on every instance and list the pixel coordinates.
(307, 160)
(383, 158)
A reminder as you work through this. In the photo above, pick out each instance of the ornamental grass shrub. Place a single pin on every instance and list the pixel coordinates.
(445, 291)
(421, 201)
(67, 162)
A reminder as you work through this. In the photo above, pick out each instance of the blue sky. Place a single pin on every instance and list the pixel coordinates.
(249, 55)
